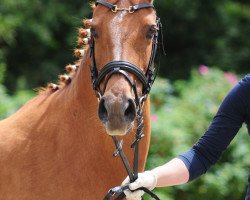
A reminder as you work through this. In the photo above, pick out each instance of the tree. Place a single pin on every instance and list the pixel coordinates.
(214, 33)
(37, 38)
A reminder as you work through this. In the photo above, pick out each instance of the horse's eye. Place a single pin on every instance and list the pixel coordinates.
(93, 32)
(151, 31)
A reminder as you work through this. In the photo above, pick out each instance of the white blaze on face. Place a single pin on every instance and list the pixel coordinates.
(116, 34)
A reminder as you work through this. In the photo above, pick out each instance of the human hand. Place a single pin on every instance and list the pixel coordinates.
(146, 179)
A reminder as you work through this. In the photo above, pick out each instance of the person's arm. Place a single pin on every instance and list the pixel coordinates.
(195, 162)
(174, 172)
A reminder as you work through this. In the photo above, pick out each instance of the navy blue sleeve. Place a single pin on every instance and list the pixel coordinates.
(233, 111)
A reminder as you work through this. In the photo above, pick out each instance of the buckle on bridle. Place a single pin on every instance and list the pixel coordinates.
(115, 9)
(131, 9)
(98, 95)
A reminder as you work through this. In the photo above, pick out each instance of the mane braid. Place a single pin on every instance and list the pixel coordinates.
(83, 42)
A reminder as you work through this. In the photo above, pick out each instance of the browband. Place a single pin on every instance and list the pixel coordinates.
(130, 9)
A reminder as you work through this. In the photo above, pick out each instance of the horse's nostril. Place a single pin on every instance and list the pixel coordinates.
(130, 111)
(102, 111)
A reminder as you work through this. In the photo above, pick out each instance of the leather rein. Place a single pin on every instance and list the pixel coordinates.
(147, 80)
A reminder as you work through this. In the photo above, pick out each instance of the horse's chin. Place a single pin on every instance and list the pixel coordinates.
(116, 133)
(119, 131)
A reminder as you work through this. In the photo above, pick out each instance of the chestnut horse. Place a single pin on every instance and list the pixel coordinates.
(55, 147)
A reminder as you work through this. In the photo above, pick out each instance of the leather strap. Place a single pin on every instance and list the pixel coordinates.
(146, 190)
(131, 9)
(116, 66)
(123, 157)
(122, 72)
(120, 190)
(144, 5)
(104, 3)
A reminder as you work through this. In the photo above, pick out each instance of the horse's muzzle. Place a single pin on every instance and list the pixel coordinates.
(117, 114)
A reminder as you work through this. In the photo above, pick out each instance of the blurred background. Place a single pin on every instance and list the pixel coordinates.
(208, 51)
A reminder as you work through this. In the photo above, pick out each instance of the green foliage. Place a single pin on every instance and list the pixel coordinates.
(10, 104)
(184, 114)
(215, 33)
(2, 71)
(37, 38)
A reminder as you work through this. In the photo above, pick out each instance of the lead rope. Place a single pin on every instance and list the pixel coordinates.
(132, 175)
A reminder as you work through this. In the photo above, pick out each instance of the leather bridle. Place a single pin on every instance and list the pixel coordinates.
(147, 80)
(122, 67)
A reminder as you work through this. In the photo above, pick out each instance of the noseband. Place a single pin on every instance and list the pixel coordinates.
(147, 80)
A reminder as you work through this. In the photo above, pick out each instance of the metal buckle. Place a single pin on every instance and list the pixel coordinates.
(98, 95)
(142, 99)
(114, 9)
(131, 9)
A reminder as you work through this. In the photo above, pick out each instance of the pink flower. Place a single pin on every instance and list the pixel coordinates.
(231, 77)
(154, 118)
(203, 69)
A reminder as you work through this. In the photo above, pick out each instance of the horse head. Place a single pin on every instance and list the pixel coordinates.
(122, 44)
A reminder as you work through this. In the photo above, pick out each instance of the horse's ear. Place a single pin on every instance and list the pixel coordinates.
(92, 1)
(92, 4)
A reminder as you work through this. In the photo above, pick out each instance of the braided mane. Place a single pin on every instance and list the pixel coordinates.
(83, 42)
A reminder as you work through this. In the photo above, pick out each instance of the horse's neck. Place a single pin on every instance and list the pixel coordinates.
(75, 105)
(70, 109)
(80, 89)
